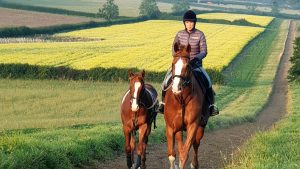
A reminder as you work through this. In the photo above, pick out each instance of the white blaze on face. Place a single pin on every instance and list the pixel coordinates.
(134, 106)
(178, 69)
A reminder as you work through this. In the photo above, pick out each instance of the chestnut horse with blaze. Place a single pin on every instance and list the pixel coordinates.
(138, 111)
(186, 109)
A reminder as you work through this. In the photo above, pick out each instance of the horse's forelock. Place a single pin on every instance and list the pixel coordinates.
(137, 78)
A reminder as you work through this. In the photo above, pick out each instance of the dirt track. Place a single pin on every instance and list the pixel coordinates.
(218, 146)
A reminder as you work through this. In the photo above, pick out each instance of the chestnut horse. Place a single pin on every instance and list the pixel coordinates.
(186, 109)
(138, 111)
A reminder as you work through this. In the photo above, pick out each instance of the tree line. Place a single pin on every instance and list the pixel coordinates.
(148, 9)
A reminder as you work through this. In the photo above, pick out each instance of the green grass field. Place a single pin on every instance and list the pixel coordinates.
(68, 146)
(278, 148)
(126, 7)
(47, 104)
(249, 82)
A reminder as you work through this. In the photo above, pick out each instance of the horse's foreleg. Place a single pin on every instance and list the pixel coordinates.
(179, 143)
(170, 141)
(140, 148)
(191, 130)
(128, 148)
(196, 144)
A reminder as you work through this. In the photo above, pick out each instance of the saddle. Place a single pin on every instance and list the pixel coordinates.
(153, 109)
(202, 80)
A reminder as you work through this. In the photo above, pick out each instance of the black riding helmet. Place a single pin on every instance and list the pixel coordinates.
(190, 16)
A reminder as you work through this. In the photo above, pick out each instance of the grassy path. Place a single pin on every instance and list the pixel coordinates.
(278, 148)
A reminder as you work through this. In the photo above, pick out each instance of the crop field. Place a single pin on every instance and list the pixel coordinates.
(258, 8)
(15, 18)
(260, 20)
(126, 7)
(128, 45)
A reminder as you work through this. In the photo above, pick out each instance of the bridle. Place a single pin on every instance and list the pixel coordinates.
(185, 78)
(138, 99)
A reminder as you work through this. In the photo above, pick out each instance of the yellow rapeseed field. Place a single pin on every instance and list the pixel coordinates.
(260, 20)
(145, 45)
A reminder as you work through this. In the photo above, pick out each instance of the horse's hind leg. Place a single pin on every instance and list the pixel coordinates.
(128, 147)
(145, 142)
(196, 144)
(132, 146)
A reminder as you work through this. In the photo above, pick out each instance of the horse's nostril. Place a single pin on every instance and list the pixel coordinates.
(176, 91)
(135, 108)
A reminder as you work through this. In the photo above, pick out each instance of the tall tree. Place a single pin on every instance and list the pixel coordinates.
(149, 9)
(109, 11)
(294, 72)
(275, 7)
(180, 6)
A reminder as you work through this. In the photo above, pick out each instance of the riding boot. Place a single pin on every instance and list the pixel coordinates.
(213, 109)
(167, 81)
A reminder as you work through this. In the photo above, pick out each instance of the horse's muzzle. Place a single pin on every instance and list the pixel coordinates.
(176, 92)
(134, 109)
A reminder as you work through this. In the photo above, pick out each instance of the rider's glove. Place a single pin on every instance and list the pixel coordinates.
(194, 63)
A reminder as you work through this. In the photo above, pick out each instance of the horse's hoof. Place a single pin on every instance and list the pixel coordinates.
(192, 166)
(134, 165)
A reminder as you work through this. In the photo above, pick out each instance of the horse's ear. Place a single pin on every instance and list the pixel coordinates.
(143, 73)
(130, 74)
(176, 47)
(188, 48)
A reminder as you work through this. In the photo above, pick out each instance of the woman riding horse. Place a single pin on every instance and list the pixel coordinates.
(186, 109)
(196, 39)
